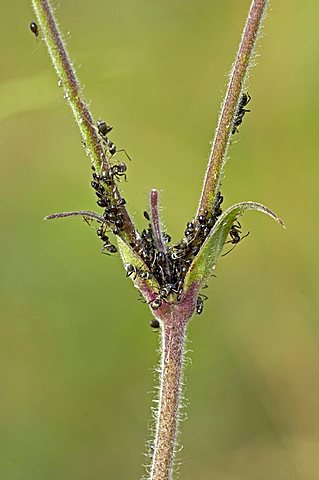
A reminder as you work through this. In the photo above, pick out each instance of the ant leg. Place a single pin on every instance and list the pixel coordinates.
(203, 297)
(123, 150)
(224, 254)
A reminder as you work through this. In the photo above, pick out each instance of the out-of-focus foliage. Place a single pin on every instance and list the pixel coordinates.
(76, 352)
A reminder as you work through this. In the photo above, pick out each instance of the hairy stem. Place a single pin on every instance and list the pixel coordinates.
(223, 132)
(80, 213)
(174, 319)
(67, 79)
(156, 221)
(157, 231)
(173, 337)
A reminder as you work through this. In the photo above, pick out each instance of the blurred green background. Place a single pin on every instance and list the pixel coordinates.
(77, 355)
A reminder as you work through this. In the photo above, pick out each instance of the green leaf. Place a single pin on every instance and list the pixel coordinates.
(130, 257)
(205, 261)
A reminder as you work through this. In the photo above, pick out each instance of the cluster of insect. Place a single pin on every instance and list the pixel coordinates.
(168, 265)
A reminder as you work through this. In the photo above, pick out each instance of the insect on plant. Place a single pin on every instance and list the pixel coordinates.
(34, 28)
(168, 276)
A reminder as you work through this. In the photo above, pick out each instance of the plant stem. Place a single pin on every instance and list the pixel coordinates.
(173, 337)
(174, 319)
(67, 79)
(223, 132)
(156, 221)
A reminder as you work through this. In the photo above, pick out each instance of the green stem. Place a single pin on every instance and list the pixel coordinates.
(67, 79)
(236, 84)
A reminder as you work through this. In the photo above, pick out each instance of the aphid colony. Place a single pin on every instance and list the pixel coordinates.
(170, 265)
(167, 264)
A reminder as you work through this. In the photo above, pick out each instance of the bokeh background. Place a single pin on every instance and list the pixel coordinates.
(77, 355)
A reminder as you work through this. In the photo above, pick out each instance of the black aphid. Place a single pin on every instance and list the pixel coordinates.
(34, 28)
(154, 324)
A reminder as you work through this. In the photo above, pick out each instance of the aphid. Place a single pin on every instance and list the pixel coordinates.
(189, 230)
(144, 274)
(34, 28)
(199, 305)
(166, 237)
(146, 215)
(109, 247)
(154, 324)
(103, 202)
(235, 237)
(219, 200)
(121, 202)
(202, 219)
(245, 99)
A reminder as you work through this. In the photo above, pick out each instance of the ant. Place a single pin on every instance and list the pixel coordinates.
(245, 99)
(116, 171)
(103, 130)
(235, 237)
(107, 245)
(165, 291)
(34, 28)
(132, 270)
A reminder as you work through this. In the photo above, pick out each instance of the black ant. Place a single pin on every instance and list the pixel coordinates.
(156, 303)
(165, 291)
(132, 270)
(235, 236)
(34, 28)
(245, 99)
(103, 130)
(107, 245)
(116, 171)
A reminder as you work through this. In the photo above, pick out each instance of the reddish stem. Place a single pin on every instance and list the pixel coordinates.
(223, 133)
